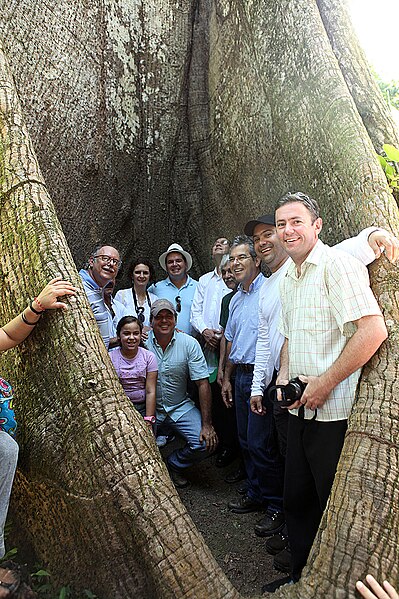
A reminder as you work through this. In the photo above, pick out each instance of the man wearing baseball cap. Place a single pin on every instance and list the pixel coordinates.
(178, 287)
(180, 358)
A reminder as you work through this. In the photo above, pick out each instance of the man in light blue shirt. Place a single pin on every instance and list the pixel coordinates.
(103, 266)
(179, 358)
(178, 287)
(263, 463)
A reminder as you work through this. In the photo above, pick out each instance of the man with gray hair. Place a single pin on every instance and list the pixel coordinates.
(262, 459)
(103, 265)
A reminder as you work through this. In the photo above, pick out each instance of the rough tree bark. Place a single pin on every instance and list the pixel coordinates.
(199, 115)
(92, 494)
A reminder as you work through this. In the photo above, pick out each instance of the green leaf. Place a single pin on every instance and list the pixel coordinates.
(391, 152)
(390, 171)
(10, 553)
(382, 161)
(41, 573)
(89, 594)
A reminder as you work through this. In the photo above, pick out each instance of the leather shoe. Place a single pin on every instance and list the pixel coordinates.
(244, 505)
(236, 476)
(282, 561)
(277, 543)
(177, 477)
(271, 587)
(270, 524)
(225, 458)
(243, 488)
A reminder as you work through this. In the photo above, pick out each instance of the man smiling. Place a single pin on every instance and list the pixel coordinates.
(103, 266)
(261, 457)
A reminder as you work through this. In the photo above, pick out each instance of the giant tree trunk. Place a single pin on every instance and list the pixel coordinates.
(92, 493)
(198, 114)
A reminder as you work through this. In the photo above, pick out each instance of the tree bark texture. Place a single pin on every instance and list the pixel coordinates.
(180, 121)
(92, 494)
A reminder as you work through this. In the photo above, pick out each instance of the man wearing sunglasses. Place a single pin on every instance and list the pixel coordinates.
(103, 266)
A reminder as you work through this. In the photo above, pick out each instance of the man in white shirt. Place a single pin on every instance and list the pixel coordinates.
(332, 326)
(204, 318)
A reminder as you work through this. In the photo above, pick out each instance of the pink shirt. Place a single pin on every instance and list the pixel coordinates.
(132, 373)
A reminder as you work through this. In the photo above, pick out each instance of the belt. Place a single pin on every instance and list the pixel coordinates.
(246, 367)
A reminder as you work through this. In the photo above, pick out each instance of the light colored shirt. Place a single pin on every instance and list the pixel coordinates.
(270, 340)
(125, 297)
(181, 360)
(242, 324)
(318, 310)
(205, 309)
(167, 290)
(132, 372)
(95, 294)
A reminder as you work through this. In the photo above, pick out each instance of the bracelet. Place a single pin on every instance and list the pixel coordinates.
(42, 308)
(38, 312)
(26, 321)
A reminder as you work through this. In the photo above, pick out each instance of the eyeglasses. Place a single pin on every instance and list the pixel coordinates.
(140, 314)
(109, 260)
(178, 303)
(239, 258)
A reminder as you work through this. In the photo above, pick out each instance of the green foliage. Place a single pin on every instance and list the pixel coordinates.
(390, 91)
(389, 161)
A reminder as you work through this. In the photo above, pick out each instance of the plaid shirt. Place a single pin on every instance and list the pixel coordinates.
(318, 310)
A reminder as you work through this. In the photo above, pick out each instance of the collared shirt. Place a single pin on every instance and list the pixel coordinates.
(205, 309)
(95, 294)
(167, 290)
(318, 310)
(181, 360)
(125, 297)
(242, 325)
(270, 339)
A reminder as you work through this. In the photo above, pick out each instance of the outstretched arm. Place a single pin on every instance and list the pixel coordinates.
(18, 329)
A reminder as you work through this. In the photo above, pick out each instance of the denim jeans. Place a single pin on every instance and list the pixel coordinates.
(258, 439)
(189, 427)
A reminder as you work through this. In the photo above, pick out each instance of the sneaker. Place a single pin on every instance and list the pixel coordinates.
(282, 561)
(163, 440)
(271, 587)
(270, 524)
(277, 543)
(244, 505)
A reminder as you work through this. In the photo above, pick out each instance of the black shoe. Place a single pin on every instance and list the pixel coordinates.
(271, 587)
(236, 476)
(277, 543)
(282, 561)
(225, 458)
(177, 477)
(270, 524)
(244, 505)
(243, 488)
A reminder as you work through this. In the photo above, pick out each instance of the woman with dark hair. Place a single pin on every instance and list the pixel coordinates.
(136, 367)
(137, 298)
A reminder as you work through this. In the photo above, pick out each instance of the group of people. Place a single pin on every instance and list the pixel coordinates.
(279, 304)
(212, 360)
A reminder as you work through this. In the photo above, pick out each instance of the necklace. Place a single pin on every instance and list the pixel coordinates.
(140, 309)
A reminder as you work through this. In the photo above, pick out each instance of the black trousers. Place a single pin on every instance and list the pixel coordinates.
(313, 452)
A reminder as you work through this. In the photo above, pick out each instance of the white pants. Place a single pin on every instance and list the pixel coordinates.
(8, 465)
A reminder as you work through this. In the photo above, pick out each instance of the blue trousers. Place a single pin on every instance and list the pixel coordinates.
(189, 427)
(258, 439)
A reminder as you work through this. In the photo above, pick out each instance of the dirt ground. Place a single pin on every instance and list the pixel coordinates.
(231, 538)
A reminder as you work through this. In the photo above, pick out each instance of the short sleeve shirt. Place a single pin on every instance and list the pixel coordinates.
(132, 373)
(318, 310)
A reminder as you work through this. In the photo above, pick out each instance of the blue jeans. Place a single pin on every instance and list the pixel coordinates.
(189, 427)
(258, 440)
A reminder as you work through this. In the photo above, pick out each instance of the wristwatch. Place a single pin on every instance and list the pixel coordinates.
(150, 419)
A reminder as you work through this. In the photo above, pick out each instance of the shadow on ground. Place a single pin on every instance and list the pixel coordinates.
(230, 537)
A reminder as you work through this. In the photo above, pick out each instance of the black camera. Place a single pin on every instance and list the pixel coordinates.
(290, 392)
